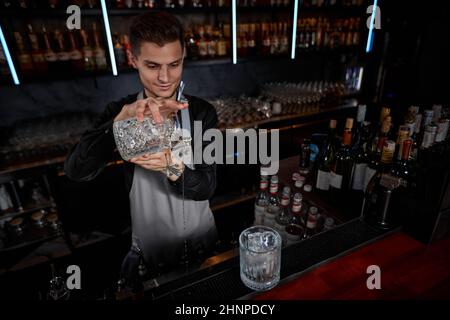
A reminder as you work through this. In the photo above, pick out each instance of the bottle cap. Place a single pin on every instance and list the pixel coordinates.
(286, 190)
(313, 210)
(307, 188)
(333, 124)
(295, 176)
(349, 123)
(329, 222)
(274, 179)
(299, 183)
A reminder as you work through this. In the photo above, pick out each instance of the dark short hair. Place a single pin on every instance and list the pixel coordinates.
(157, 27)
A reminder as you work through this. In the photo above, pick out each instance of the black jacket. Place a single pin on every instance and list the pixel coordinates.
(97, 147)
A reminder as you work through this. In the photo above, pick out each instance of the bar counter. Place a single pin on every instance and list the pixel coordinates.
(331, 266)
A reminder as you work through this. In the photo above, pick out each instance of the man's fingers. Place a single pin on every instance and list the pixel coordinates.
(139, 111)
(154, 108)
(174, 105)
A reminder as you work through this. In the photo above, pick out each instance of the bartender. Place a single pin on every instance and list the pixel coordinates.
(170, 214)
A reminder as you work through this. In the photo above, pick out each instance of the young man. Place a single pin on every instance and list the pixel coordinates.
(161, 233)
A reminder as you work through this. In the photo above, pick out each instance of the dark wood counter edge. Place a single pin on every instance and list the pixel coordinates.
(344, 253)
(351, 103)
(183, 283)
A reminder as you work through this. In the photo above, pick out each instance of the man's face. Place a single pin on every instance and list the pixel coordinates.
(160, 68)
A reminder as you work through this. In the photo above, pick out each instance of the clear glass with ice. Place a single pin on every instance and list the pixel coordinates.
(260, 257)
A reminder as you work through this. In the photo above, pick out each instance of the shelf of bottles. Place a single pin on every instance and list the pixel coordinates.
(28, 212)
(45, 49)
(367, 170)
(290, 207)
(42, 47)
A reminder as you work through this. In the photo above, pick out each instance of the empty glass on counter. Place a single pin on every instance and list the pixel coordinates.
(260, 257)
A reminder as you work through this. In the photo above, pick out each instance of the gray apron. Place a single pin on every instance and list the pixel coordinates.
(159, 228)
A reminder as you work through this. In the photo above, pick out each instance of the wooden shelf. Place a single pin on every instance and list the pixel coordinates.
(29, 241)
(26, 210)
(227, 200)
(57, 160)
(351, 103)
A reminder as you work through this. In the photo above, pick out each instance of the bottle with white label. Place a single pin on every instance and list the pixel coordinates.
(273, 208)
(262, 201)
(283, 218)
(295, 229)
(342, 169)
(326, 158)
(379, 193)
(311, 222)
(361, 156)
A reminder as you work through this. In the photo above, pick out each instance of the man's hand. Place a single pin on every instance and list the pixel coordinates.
(151, 107)
(163, 162)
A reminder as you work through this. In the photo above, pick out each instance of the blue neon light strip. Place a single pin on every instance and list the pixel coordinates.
(12, 69)
(372, 21)
(294, 29)
(108, 38)
(234, 26)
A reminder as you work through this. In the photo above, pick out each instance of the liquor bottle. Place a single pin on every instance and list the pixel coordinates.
(126, 49)
(121, 59)
(211, 42)
(375, 154)
(273, 208)
(326, 159)
(4, 70)
(442, 130)
(284, 41)
(49, 54)
(295, 229)
(402, 167)
(25, 60)
(342, 167)
(305, 157)
(61, 53)
(120, 4)
(76, 56)
(359, 130)
(410, 119)
(222, 43)
(99, 52)
(429, 136)
(53, 4)
(274, 41)
(262, 201)
(361, 159)
(88, 55)
(250, 41)
(37, 54)
(311, 222)
(377, 208)
(385, 112)
(243, 41)
(284, 216)
(416, 136)
(190, 45)
(265, 48)
(318, 33)
(202, 43)
(403, 134)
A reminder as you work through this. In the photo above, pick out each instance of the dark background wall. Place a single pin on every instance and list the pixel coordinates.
(92, 94)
